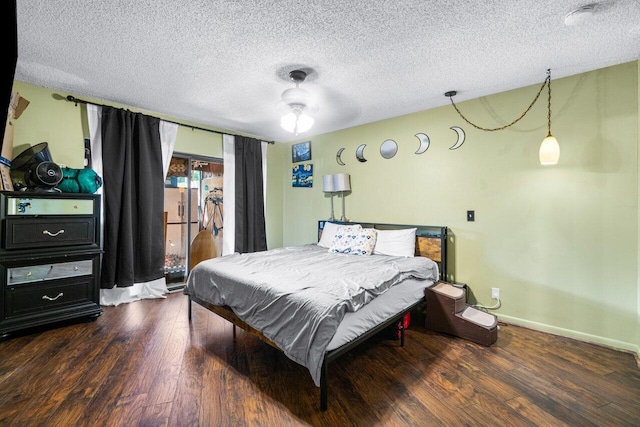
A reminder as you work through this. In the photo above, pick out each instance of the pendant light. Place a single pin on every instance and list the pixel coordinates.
(549, 149)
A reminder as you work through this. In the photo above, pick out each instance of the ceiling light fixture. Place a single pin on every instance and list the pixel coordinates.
(549, 149)
(299, 102)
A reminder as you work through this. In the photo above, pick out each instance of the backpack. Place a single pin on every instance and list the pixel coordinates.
(79, 181)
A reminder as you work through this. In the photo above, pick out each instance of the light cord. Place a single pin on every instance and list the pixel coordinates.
(549, 103)
(547, 81)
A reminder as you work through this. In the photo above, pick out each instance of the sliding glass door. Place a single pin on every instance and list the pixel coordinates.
(193, 210)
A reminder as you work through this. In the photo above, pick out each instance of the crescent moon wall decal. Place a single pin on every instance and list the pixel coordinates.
(460, 141)
(360, 153)
(339, 157)
(424, 142)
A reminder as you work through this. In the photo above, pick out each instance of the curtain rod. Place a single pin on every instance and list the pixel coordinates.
(72, 98)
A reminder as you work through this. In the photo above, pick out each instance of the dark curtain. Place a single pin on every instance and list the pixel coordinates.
(133, 198)
(249, 197)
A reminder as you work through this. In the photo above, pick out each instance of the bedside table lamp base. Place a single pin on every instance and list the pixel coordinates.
(342, 183)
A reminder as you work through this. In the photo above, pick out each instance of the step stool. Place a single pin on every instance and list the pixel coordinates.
(449, 313)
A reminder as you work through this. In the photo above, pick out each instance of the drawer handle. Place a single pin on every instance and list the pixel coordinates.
(54, 298)
(48, 233)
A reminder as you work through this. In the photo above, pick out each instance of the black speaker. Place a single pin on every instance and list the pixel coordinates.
(38, 169)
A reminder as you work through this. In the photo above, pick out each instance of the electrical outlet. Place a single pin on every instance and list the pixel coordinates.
(495, 293)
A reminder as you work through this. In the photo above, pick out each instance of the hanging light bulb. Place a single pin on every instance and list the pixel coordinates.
(305, 122)
(296, 121)
(549, 149)
(288, 122)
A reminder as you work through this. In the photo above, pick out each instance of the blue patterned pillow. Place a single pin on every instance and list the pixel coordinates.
(348, 240)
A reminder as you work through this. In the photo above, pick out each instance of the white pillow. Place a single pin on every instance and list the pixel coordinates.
(396, 242)
(329, 232)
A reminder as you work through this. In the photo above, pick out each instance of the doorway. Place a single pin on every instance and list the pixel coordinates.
(194, 212)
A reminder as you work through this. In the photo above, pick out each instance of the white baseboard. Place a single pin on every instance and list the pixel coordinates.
(592, 339)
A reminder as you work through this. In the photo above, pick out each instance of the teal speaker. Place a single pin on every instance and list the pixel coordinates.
(79, 181)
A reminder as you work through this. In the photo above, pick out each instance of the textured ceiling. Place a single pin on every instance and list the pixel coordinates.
(224, 63)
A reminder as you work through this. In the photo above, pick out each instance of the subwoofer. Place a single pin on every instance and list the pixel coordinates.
(38, 170)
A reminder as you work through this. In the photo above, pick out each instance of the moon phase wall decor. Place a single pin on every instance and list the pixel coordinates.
(460, 141)
(360, 153)
(424, 142)
(388, 149)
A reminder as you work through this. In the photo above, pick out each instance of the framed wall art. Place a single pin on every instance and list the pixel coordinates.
(301, 152)
(302, 175)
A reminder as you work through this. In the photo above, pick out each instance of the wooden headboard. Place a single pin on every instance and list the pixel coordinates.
(431, 241)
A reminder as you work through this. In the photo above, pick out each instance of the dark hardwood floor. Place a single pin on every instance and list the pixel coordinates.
(143, 364)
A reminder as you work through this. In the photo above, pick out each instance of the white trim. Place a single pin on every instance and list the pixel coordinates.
(568, 333)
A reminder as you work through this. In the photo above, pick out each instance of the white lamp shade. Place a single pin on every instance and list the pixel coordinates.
(327, 184)
(296, 123)
(288, 122)
(549, 151)
(304, 122)
(342, 182)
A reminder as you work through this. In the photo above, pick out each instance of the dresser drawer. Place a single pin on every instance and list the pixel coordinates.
(48, 206)
(42, 272)
(48, 296)
(25, 233)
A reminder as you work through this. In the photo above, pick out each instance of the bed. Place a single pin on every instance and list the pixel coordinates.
(318, 301)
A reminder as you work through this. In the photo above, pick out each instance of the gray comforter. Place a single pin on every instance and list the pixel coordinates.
(297, 296)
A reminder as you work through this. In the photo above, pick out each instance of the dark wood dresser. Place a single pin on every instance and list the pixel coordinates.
(49, 258)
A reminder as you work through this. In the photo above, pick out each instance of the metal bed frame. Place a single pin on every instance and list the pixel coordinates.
(431, 241)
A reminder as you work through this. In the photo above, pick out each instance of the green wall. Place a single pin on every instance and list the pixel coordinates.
(561, 242)
(63, 125)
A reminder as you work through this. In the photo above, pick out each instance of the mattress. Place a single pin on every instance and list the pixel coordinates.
(298, 296)
(393, 302)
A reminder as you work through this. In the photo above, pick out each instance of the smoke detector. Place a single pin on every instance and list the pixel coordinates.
(580, 15)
